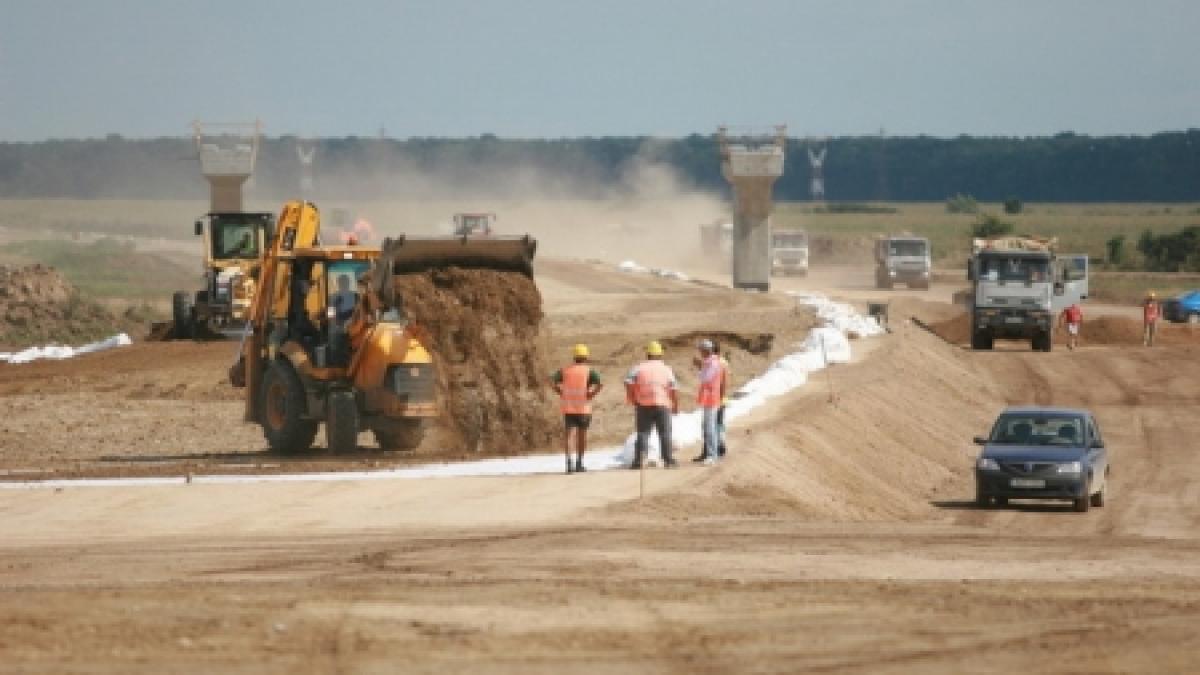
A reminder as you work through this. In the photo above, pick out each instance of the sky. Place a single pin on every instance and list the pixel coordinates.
(569, 68)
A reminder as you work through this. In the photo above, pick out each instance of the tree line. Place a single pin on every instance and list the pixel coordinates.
(1163, 167)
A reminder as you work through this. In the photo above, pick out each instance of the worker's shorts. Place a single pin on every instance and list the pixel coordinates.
(1073, 328)
(577, 421)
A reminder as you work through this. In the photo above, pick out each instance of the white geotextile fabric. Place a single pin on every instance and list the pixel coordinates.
(64, 352)
(827, 343)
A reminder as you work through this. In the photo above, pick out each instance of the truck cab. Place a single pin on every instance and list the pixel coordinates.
(1018, 288)
(789, 252)
(903, 260)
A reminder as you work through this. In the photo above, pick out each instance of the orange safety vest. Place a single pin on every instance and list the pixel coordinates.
(652, 384)
(1150, 312)
(574, 388)
(711, 375)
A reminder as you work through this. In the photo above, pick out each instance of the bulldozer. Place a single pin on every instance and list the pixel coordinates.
(328, 340)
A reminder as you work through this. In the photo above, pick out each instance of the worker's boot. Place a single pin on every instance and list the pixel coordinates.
(570, 467)
(579, 467)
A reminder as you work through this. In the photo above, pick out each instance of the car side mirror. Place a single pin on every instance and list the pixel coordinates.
(980, 440)
(199, 228)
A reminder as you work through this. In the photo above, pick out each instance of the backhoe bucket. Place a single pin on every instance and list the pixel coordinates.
(415, 254)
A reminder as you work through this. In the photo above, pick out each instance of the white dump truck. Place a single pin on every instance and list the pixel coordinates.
(1019, 285)
(789, 252)
(902, 259)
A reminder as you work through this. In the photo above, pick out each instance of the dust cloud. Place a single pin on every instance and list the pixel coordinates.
(644, 212)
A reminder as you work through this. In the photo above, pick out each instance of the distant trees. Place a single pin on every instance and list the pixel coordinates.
(1066, 167)
(987, 225)
(1173, 252)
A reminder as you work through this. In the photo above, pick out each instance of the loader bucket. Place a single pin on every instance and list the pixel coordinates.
(415, 254)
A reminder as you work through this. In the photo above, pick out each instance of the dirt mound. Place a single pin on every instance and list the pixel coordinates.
(484, 329)
(38, 305)
(1105, 330)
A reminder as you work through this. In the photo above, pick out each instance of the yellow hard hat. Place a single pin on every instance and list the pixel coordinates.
(581, 350)
(654, 349)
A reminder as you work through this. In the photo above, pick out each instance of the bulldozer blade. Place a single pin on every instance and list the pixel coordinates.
(415, 254)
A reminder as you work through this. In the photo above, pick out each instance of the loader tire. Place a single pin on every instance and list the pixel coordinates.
(399, 434)
(181, 313)
(282, 411)
(341, 421)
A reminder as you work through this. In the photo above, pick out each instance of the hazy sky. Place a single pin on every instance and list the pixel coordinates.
(533, 68)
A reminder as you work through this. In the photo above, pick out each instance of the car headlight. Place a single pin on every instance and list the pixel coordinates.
(987, 464)
(1069, 467)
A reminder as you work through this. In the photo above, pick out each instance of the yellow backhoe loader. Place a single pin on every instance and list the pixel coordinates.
(328, 341)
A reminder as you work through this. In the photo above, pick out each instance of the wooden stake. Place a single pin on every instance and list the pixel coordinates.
(828, 370)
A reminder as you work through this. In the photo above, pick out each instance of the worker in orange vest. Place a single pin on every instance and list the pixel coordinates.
(576, 385)
(651, 388)
(709, 396)
(1149, 318)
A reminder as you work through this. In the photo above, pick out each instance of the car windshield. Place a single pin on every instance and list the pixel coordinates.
(1014, 268)
(1038, 429)
(907, 248)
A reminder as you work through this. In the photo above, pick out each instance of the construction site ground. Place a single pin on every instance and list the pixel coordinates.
(838, 536)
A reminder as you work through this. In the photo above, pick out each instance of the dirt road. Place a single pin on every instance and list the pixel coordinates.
(837, 537)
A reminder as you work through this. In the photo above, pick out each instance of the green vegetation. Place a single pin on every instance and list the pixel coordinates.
(988, 225)
(106, 268)
(1013, 206)
(1171, 252)
(961, 203)
(1164, 167)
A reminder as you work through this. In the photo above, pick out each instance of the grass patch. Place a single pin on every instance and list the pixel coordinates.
(106, 268)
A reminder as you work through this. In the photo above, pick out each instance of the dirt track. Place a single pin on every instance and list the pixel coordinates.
(836, 538)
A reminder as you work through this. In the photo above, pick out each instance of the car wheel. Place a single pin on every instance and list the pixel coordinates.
(982, 501)
(1097, 499)
(1083, 503)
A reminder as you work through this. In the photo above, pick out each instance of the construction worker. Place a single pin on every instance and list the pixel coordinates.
(344, 299)
(708, 397)
(726, 379)
(652, 389)
(576, 386)
(1072, 318)
(1150, 314)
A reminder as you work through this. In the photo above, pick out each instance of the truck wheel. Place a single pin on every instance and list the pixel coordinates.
(341, 421)
(1042, 342)
(181, 313)
(399, 434)
(981, 340)
(282, 411)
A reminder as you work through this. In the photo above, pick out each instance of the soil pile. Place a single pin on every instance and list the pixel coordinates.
(38, 305)
(483, 327)
(1105, 330)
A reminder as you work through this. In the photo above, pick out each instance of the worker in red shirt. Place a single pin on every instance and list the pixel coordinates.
(1072, 318)
(1150, 315)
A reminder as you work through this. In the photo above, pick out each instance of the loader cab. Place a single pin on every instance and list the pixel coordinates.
(317, 293)
(237, 236)
(473, 224)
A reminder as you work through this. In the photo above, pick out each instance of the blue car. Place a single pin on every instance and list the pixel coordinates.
(1183, 308)
(1042, 453)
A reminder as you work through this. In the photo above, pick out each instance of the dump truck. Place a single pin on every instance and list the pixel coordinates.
(1019, 285)
(789, 252)
(902, 259)
(328, 340)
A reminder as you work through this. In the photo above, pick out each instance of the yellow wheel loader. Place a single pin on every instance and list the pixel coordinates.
(328, 341)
